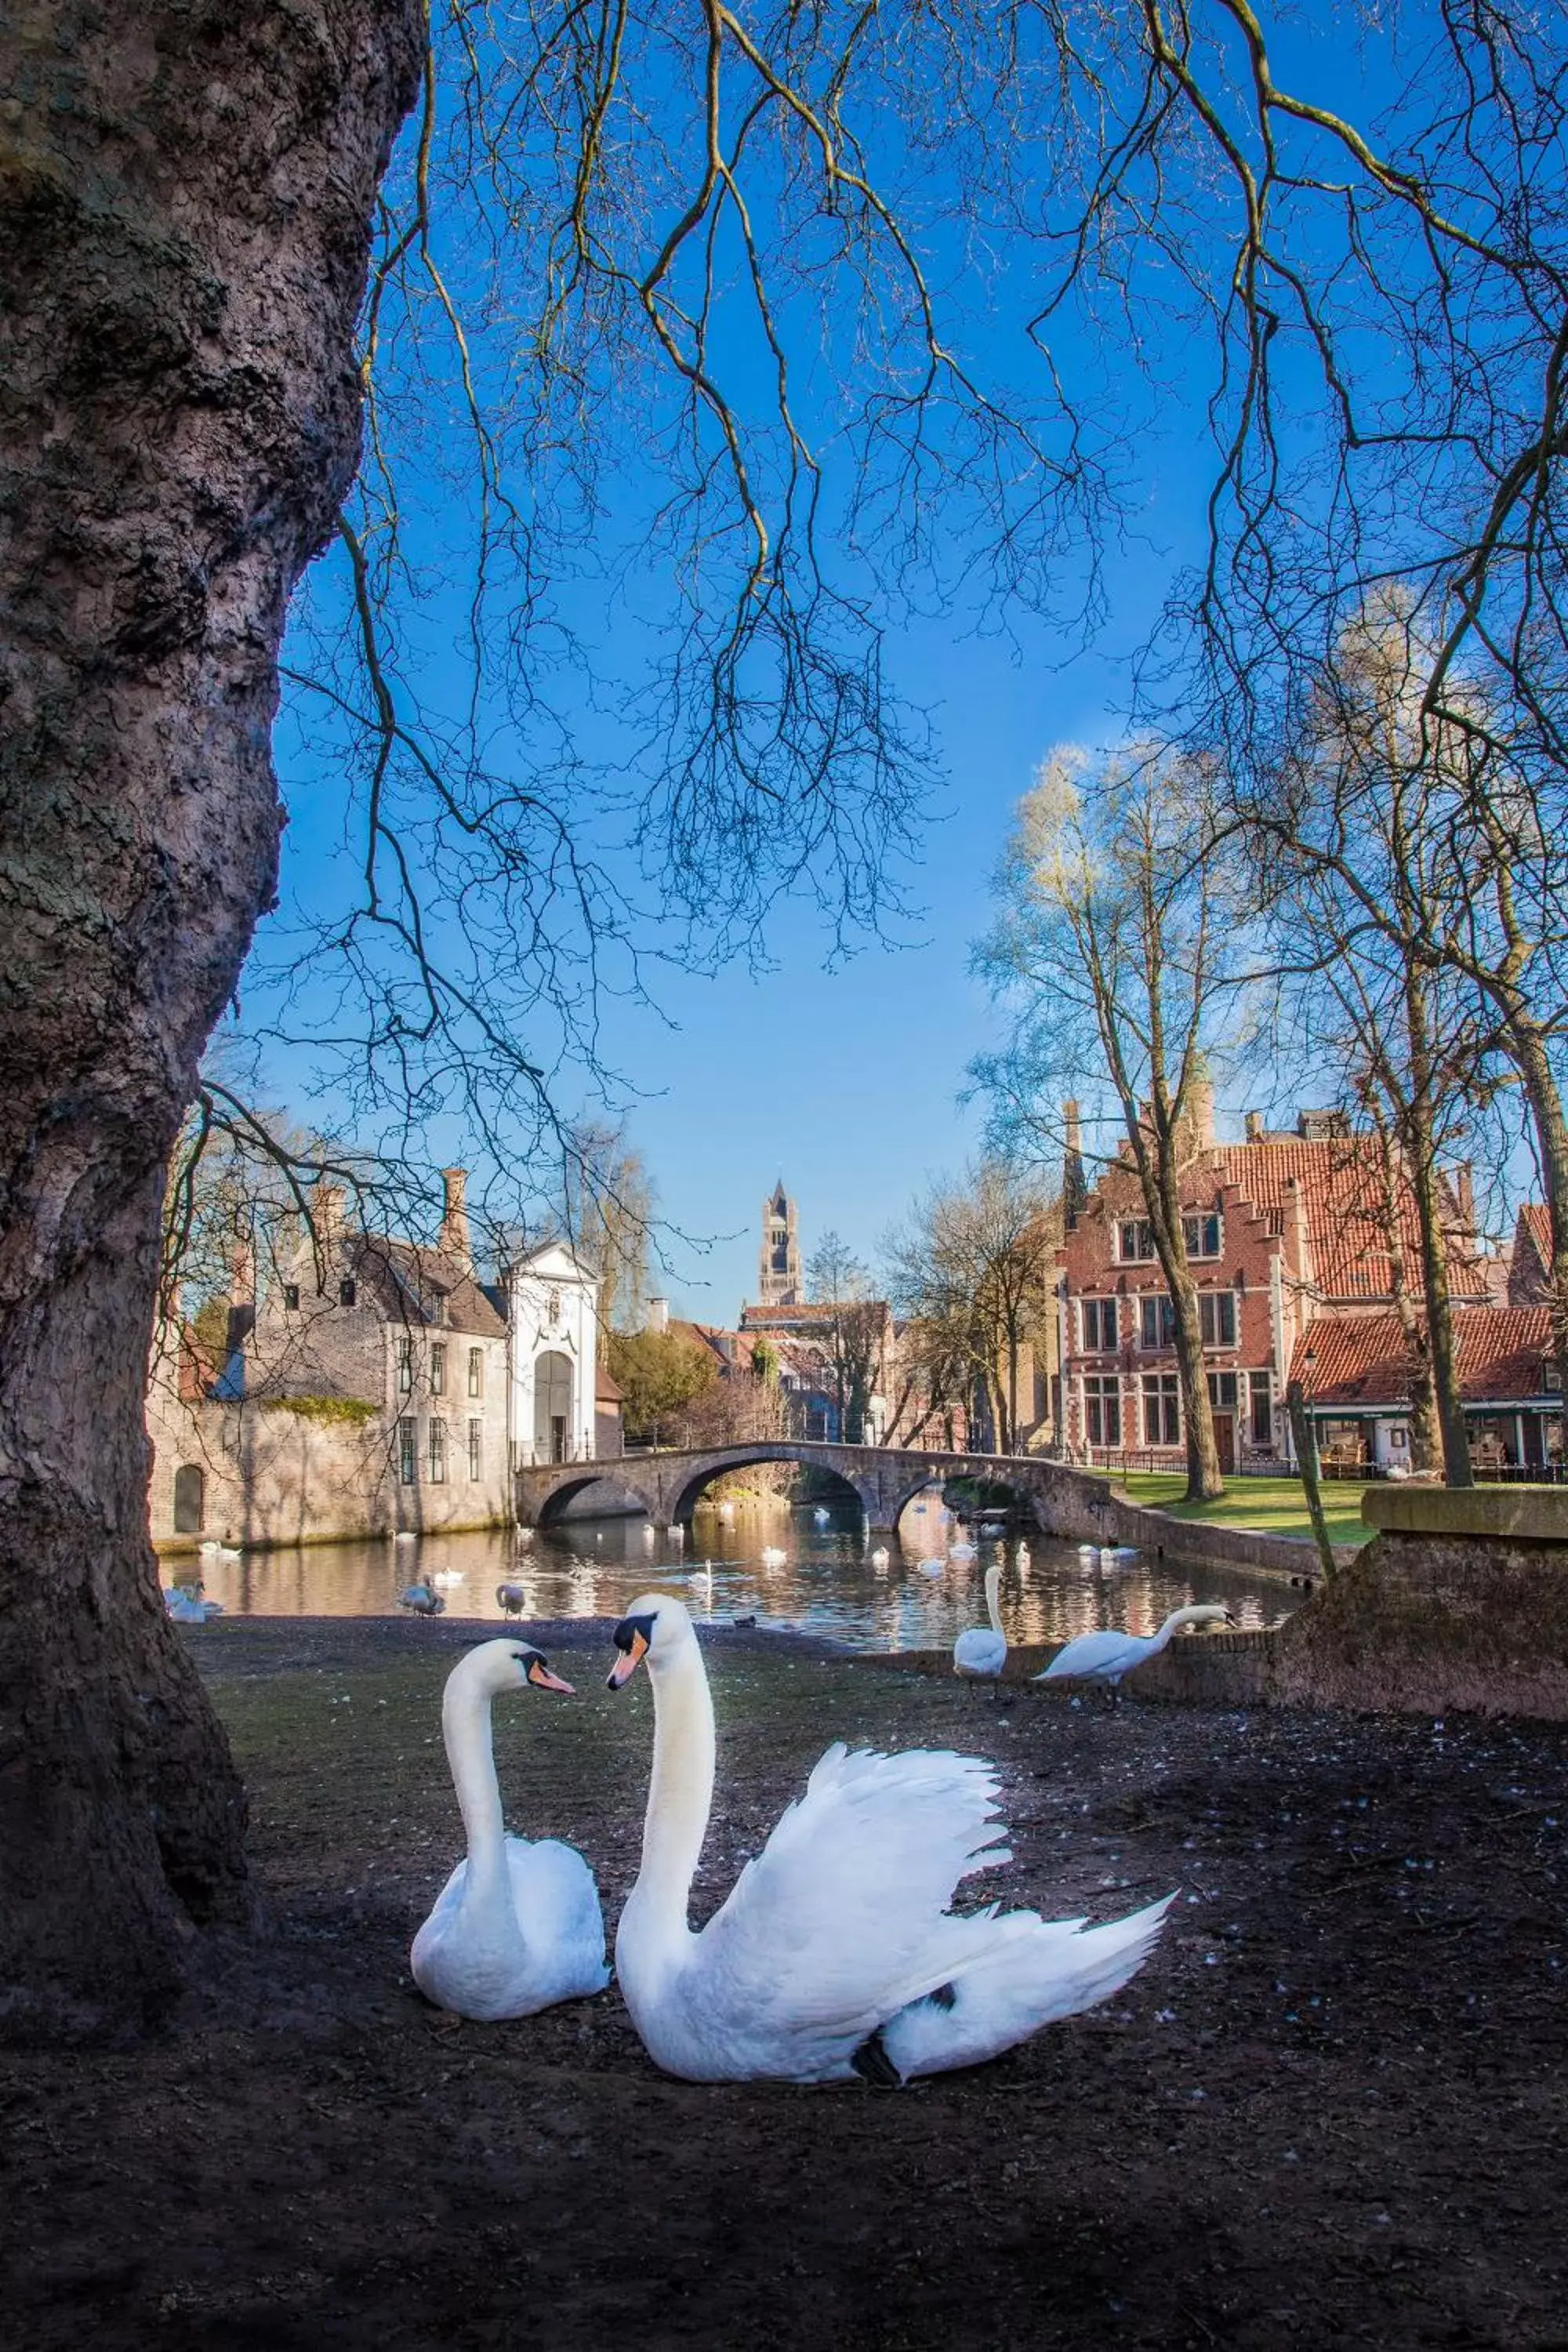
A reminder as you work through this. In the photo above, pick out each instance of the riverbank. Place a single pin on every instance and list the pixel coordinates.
(1274, 1507)
(1325, 2113)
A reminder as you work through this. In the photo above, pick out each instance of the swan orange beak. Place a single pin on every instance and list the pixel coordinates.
(627, 1664)
(540, 1675)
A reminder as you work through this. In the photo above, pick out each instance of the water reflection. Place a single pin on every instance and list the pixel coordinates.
(825, 1582)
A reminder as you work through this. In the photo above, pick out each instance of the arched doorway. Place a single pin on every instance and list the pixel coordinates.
(552, 1406)
(190, 1498)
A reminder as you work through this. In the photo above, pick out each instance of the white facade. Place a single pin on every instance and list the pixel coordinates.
(554, 1331)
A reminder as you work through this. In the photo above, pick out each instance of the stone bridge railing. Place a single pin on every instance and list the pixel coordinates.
(1063, 1501)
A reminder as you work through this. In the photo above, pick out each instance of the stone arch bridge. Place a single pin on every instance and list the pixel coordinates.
(1063, 1501)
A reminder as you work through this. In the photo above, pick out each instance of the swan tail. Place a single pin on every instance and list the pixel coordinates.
(1037, 1972)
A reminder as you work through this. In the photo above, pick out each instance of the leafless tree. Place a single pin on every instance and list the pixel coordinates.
(1119, 951)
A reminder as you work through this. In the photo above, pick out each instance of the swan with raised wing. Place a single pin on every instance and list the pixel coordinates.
(517, 1926)
(835, 1953)
(982, 1649)
(1105, 1657)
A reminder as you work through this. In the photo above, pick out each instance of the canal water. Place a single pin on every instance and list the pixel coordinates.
(825, 1582)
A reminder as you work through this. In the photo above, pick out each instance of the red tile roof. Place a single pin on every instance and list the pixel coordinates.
(1534, 1219)
(1338, 1185)
(1360, 1360)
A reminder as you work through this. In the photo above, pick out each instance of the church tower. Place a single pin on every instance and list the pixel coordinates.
(778, 1270)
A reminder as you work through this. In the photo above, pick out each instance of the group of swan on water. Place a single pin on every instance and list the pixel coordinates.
(835, 1954)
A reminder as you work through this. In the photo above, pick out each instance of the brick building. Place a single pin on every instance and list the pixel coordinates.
(365, 1390)
(1283, 1231)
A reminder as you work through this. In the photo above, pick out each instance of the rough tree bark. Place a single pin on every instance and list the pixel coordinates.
(188, 191)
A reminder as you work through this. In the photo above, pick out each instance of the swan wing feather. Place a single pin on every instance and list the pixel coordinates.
(978, 1651)
(843, 1916)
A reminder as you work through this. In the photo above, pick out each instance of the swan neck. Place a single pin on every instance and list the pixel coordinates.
(466, 1728)
(992, 1585)
(680, 1791)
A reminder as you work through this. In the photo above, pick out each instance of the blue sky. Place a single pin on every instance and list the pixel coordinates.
(844, 1078)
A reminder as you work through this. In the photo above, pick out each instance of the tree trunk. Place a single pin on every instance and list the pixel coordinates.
(1530, 1057)
(1205, 1481)
(187, 193)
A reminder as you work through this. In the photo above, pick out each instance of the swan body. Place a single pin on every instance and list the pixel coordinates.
(983, 1650)
(517, 1926)
(961, 1551)
(446, 1576)
(405, 1534)
(932, 1566)
(511, 1599)
(1021, 1557)
(773, 1557)
(820, 1516)
(1105, 1657)
(880, 1557)
(420, 1599)
(835, 1953)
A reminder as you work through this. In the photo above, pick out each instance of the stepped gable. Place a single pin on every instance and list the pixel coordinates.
(1502, 1353)
(1338, 1187)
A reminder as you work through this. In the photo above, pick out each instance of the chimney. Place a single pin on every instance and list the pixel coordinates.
(327, 1215)
(1253, 1124)
(241, 1295)
(453, 1238)
(658, 1315)
(1075, 1189)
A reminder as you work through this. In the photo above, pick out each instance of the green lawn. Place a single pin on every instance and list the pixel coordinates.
(1277, 1506)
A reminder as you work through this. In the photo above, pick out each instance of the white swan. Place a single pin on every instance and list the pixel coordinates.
(421, 1600)
(771, 1556)
(961, 1551)
(880, 1557)
(820, 1516)
(835, 1953)
(983, 1650)
(447, 1575)
(516, 1926)
(407, 1534)
(1105, 1657)
(1022, 1556)
(511, 1599)
(932, 1566)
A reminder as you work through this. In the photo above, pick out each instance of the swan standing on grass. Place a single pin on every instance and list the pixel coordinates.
(983, 1650)
(422, 1601)
(835, 1953)
(517, 1926)
(1105, 1657)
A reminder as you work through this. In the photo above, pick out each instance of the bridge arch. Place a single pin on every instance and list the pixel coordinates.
(607, 1473)
(685, 1496)
(1023, 1491)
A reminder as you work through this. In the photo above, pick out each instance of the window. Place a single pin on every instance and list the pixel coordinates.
(292, 1297)
(476, 1371)
(437, 1452)
(405, 1451)
(405, 1363)
(475, 1449)
(1202, 1235)
(1223, 1392)
(1217, 1318)
(1262, 1386)
(1276, 1223)
(1156, 1322)
(1161, 1409)
(438, 1368)
(1098, 1318)
(1103, 1410)
(1135, 1241)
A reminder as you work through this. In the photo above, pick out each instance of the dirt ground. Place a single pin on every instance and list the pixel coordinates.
(1330, 2111)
